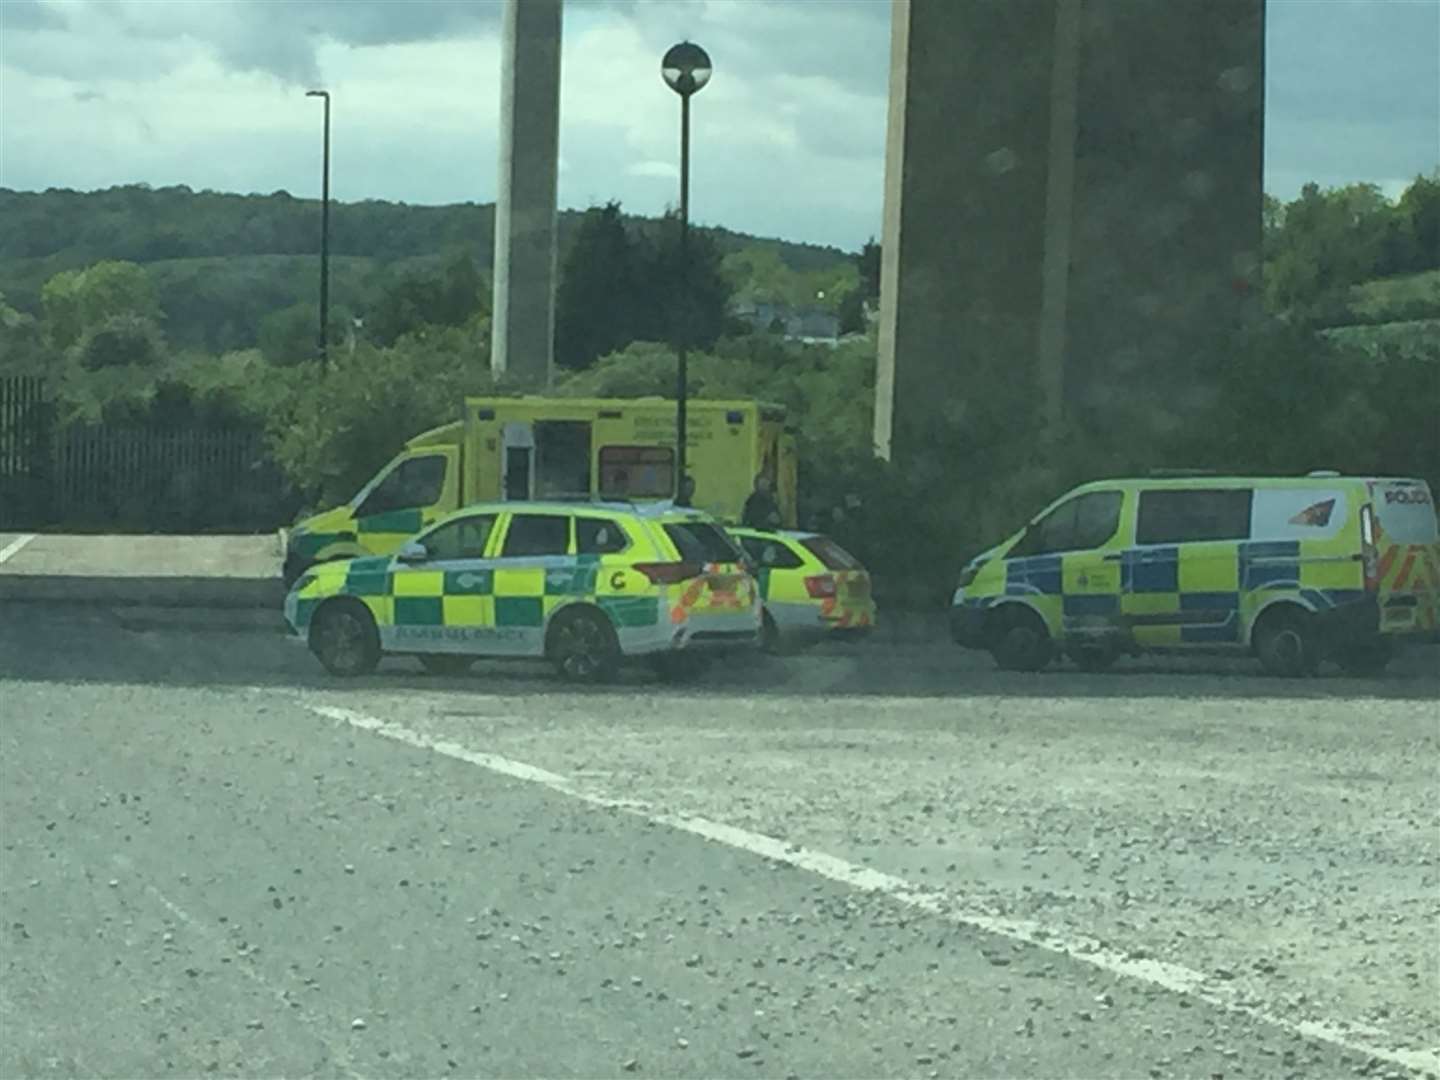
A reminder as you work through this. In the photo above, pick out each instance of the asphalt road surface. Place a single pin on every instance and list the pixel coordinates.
(869, 861)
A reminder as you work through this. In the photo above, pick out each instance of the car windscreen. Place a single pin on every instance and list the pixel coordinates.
(830, 553)
(701, 542)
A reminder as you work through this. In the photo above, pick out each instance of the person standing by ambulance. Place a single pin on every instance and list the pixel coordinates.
(761, 510)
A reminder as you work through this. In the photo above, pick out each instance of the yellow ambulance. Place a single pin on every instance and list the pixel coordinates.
(1293, 570)
(584, 586)
(538, 447)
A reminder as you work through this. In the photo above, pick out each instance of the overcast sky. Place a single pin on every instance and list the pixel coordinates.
(789, 136)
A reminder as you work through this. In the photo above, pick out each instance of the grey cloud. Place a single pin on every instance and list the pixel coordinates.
(30, 15)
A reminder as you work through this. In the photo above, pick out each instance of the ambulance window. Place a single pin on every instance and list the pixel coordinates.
(463, 539)
(596, 536)
(1178, 517)
(537, 534)
(416, 482)
(636, 472)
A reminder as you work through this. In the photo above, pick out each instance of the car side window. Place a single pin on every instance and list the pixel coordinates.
(537, 534)
(769, 553)
(463, 539)
(596, 536)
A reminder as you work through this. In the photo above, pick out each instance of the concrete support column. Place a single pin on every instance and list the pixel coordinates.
(1072, 213)
(523, 327)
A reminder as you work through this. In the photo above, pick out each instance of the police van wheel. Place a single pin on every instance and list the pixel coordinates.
(445, 663)
(344, 639)
(1020, 643)
(1285, 643)
(583, 646)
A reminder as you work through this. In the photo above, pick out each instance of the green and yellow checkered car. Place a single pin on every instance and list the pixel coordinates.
(584, 585)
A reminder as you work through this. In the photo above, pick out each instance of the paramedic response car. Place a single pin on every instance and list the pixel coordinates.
(812, 588)
(581, 585)
(1293, 570)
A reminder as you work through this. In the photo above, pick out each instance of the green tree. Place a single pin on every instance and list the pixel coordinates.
(599, 306)
(448, 296)
(687, 297)
(124, 340)
(79, 301)
(292, 334)
(852, 307)
(1419, 209)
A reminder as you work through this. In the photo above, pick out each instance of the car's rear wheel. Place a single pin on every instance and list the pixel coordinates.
(445, 663)
(344, 638)
(1019, 641)
(583, 646)
(1285, 643)
(1365, 660)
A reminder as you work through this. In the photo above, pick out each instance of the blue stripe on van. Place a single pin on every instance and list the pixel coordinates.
(1097, 604)
(1150, 570)
(1041, 573)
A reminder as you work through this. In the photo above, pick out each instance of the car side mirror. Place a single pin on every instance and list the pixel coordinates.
(413, 552)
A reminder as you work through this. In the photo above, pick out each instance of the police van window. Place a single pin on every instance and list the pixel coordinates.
(463, 539)
(1189, 516)
(770, 553)
(636, 472)
(596, 536)
(414, 483)
(537, 534)
(1078, 525)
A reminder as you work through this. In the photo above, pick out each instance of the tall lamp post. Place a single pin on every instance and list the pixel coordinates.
(324, 236)
(686, 69)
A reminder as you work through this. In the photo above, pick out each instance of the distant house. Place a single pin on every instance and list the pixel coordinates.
(811, 325)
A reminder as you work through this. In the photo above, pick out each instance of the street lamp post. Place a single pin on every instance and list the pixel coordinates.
(324, 236)
(686, 69)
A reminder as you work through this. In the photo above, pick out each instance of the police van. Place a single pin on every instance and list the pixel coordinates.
(1293, 570)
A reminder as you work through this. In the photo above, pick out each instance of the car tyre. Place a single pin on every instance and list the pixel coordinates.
(583, 646)
(1286, 645)
(1021, 642)
(445, 663)
(344, 638)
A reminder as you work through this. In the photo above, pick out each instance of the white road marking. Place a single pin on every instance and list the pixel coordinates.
(218, 942)
(10, 550)
(1353, 1037)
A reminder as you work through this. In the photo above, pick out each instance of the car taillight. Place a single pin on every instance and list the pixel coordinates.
(820, 586)
(668, 573)
(1369, 558)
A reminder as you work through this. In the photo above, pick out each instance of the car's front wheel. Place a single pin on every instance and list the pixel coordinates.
(344, 638)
